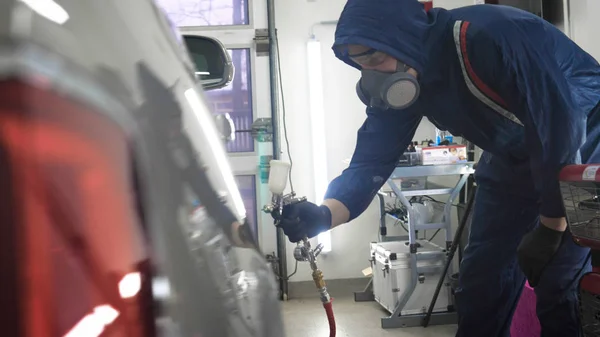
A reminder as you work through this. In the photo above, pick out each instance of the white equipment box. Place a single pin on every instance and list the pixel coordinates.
(392, 274)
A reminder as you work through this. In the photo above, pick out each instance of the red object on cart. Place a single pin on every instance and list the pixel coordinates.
(580, 189)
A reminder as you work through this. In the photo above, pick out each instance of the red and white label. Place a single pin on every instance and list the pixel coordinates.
(590, 173)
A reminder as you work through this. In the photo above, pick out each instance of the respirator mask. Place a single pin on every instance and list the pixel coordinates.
(397, 90)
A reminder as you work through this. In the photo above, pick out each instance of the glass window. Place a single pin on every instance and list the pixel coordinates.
(194, 13)
(247, 186)
(236, 99)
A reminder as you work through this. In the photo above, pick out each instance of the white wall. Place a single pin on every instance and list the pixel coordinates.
(585, 25)
(344, 114)
(449, 4)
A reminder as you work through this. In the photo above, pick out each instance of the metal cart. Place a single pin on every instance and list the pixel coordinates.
(580, 188)
(463, 171)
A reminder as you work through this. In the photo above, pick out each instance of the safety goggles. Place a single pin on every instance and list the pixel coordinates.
(368, 58)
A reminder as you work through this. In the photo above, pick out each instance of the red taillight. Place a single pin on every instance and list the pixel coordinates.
(68, 219)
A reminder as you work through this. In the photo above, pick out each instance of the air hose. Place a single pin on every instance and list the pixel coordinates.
(304, 252)
(330, 318)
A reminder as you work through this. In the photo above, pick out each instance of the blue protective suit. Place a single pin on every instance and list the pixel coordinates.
(518, 88)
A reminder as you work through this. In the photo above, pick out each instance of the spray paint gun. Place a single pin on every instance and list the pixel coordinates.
(303, 252)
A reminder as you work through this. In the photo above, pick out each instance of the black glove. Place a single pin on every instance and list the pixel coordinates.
(304, 219)
(536, 250)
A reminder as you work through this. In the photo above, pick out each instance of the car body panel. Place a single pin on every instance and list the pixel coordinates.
(125, 60)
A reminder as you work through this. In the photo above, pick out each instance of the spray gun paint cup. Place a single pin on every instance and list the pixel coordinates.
(278, 176)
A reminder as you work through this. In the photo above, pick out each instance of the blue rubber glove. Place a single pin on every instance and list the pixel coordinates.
(304, 219)
(536, 251)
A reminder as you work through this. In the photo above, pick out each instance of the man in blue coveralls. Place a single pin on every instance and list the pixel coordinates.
(515, 86)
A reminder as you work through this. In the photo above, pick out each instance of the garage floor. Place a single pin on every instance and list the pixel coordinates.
(306, 317)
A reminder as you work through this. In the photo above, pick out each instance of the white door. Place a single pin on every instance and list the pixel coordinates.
(247, 98)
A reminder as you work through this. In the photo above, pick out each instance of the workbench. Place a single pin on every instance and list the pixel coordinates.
(462, 171)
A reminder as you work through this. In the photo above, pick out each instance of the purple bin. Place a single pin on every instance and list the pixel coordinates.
(525, 322)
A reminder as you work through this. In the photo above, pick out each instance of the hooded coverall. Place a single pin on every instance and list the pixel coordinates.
(518, 88)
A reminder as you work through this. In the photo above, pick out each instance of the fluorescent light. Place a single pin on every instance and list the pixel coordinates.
(317, 121)
(202, 73)
(48, 9)
(205, 121)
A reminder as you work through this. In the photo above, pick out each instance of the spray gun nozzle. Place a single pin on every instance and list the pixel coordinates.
(318, 249)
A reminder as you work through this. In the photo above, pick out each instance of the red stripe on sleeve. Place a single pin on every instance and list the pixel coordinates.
(476, 80)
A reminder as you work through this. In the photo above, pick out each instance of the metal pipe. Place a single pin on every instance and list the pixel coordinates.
(382, 224)
(463, 193)
(451, 251)
(273, 71)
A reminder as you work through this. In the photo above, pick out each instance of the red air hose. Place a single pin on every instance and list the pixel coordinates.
(329, 311)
